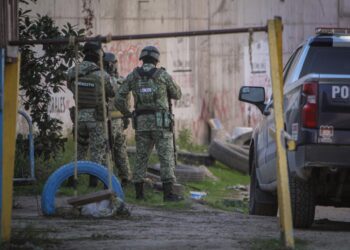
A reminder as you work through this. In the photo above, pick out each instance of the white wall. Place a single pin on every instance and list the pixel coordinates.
(210, 69)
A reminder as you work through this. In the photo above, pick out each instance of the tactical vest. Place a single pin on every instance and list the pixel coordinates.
(146, 91)
(90, 91)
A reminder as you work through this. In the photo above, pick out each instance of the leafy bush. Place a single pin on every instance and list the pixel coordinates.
(43, 73)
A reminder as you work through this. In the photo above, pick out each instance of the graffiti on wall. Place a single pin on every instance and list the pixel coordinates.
(218, 105)
(59, 108)
(256, 73)
(58, 104)
(179, 66)
(127, 53)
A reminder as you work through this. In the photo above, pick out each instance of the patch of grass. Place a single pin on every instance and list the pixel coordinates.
(185, 142)
(31, 238)
(276, 244)
(82, 187)
(220, 193)
(43, 168)
(154, 198)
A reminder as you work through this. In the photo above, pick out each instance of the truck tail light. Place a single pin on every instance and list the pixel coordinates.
(309, 111)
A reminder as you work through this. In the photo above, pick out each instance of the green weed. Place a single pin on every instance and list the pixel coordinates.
(276, 244)
(30, 237)
(185, 142)
(219, 194)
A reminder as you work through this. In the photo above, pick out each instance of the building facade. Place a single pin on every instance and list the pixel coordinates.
(210, 69)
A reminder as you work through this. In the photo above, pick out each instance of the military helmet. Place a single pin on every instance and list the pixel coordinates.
(150, 51)
(92, 47)
(109, 57)
(110, 61)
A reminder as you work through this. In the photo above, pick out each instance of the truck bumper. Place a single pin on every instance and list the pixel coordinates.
(306, 157)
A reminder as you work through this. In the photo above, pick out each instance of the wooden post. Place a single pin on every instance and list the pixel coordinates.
(2, 71)
(284, 204)
(9, 139)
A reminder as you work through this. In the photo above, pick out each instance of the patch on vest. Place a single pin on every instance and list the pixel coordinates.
(86, 84)
(146, 90)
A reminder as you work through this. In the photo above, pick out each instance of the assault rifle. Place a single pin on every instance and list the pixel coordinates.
(172, 128)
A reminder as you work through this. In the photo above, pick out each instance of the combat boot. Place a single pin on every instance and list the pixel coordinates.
(169, 193)
(139, 191)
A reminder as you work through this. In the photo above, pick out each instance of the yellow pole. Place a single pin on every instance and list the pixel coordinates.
(284, 204)
(9, 142)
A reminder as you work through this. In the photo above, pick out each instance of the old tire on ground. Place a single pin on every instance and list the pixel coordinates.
(231, 155)
(260, 202)
(63, 173)
(183, 172)
(302, 201)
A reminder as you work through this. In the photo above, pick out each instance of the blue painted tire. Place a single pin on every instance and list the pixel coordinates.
(63, 173)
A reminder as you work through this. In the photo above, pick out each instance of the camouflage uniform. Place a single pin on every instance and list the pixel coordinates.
(152, 120)
(90, 116)
(119, 141)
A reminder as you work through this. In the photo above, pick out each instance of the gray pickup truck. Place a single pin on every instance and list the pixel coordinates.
(317, 117)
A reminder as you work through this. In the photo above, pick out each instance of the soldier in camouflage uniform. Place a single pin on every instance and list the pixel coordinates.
(118, 125)
(152, 89)
(90, 109)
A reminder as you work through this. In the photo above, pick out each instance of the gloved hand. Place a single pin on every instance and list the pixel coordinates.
(126, 123)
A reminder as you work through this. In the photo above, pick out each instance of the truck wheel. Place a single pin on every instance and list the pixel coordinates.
(303, 202)
(260, 202)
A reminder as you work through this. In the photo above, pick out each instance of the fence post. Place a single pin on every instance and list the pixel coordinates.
(284, 203)
(2, 71)
(9, 139)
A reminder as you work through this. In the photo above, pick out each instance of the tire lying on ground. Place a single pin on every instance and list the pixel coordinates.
(231, 155)
(55, 180)
(183, 172)
(242, 136)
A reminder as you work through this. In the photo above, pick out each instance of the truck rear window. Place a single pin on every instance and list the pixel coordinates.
(327, 60)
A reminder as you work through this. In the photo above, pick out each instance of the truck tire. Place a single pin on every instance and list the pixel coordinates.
(260, 202)
(231, 155)
(302, 201)
(63, 173)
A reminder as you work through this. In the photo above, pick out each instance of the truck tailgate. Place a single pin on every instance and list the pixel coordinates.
(334, 109)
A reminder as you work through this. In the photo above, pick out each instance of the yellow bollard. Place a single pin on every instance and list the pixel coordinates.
(9, 139)
(284, 203)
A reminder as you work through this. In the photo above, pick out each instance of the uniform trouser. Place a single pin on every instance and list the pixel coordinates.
(145, 141)
(121, 159)
(91, 136)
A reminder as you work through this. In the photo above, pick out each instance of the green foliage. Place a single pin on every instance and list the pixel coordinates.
(219, 192)
(276, 244)
(30, 237)
(154, 198)
(43, 73)
(185, 142)
(43, 167)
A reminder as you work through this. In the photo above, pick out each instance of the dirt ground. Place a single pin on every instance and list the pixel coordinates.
(199, 227)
